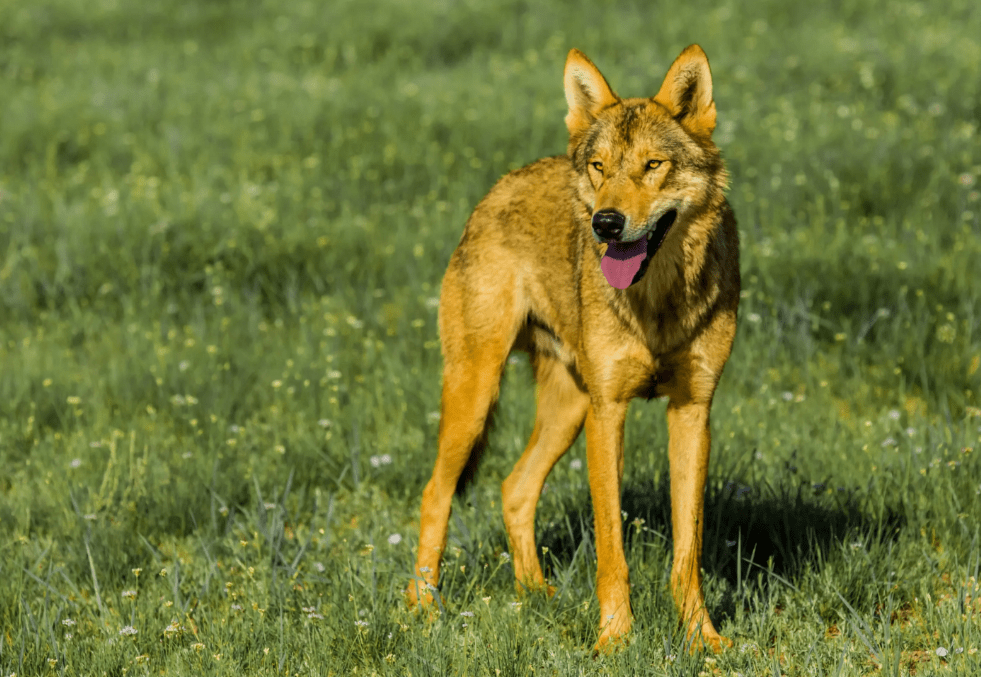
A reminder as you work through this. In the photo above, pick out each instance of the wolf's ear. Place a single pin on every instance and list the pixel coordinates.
(687, 92)
(586, 92)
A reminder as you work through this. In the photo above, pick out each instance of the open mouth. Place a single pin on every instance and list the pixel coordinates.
(624, 263)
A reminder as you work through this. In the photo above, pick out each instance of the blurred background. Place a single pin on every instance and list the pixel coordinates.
(223, 226)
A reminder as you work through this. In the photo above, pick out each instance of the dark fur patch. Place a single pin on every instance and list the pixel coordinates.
(686, 103)
(628, 123)
(476, 454)
(585, 149)
(535, 322)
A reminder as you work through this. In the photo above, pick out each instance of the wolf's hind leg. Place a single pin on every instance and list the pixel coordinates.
(470, 389)
(561, 410)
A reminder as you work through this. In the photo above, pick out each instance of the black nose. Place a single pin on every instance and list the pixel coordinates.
(608, 224)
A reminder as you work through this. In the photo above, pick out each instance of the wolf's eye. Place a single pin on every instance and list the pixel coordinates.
(598, 166)
(653, 164)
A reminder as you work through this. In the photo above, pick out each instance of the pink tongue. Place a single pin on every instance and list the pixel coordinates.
(622, 261)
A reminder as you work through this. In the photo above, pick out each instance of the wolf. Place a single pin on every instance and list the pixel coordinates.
(616, 266)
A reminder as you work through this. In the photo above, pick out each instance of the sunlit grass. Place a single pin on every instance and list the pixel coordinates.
(222, 232)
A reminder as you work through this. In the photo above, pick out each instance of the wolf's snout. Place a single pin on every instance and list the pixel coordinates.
(608, 224)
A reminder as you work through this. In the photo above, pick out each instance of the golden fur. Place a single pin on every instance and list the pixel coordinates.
(526, 275)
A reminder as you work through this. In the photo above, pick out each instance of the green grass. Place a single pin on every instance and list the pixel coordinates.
(222, 231)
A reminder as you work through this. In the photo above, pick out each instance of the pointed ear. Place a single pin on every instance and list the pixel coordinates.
(586, 92)
(687, 92)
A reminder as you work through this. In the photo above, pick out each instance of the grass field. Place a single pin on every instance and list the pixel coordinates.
(223, 226)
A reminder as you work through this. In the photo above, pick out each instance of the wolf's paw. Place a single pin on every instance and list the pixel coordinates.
(419, 595)
(710, 640)
(718, 643)
(614, 635)
(610, 644)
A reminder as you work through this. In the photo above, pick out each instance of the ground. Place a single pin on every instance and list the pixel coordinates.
(222, 231)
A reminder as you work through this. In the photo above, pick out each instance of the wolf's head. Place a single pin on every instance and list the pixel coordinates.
(646, 167)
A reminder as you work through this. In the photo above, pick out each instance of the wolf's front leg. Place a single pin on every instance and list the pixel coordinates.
(688, 449)
(604, 453)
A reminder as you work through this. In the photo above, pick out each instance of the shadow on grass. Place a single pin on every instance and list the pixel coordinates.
(780, 529)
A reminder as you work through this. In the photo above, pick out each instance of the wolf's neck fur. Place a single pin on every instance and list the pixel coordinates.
(683, 281)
